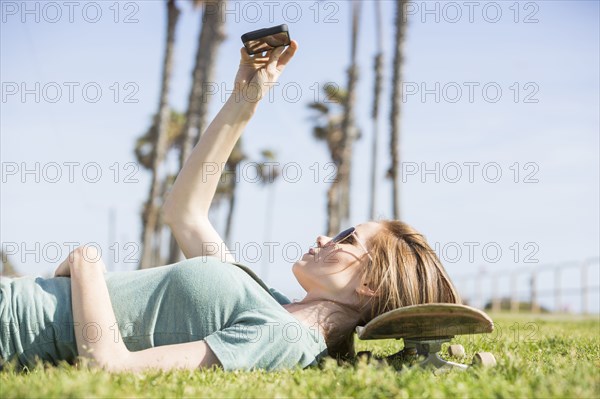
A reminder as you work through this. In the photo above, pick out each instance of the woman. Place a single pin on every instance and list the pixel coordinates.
(208, 310)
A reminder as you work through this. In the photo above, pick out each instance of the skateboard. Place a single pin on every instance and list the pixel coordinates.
(424, 328)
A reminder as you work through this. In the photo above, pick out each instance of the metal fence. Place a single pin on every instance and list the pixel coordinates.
(568, 287)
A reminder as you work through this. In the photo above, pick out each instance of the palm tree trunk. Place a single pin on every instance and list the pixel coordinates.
(333, 204)
(395, 109)
(378, 70)
(270, 203)
(162, 122)
(229, 221)
(348, 125)
(158, 232)
(161, 228)
(212, 34)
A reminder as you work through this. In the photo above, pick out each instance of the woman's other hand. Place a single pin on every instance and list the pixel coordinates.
(81, 254)
(64, 269)
(257, 74)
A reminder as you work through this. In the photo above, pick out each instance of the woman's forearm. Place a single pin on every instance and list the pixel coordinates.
(96, 331)
(192, 193)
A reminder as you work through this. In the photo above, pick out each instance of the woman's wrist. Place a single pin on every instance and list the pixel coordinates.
(242, 107)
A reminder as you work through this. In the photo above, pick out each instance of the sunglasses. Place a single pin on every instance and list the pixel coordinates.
(351, 237)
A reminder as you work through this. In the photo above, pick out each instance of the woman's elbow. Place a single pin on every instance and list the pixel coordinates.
(181, 218)
(167, 214)
(111, 363)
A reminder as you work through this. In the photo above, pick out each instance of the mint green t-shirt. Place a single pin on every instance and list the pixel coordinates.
(202, 298)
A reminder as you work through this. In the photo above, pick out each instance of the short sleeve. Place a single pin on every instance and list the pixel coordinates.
(279, 297)
(259, 341)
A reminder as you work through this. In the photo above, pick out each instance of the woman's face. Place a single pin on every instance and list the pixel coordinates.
(333, 270)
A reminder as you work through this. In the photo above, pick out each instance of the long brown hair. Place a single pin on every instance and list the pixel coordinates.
(404, 271)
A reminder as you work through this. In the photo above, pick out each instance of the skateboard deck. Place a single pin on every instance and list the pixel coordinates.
(425, 327)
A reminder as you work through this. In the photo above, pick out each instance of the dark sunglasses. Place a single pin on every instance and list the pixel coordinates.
(347, 233)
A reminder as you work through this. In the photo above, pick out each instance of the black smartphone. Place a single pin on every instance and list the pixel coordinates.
(266, 39)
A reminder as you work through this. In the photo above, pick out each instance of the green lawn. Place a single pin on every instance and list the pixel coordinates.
(538, 356)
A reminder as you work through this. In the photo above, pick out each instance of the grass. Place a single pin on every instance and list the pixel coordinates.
(538, 356)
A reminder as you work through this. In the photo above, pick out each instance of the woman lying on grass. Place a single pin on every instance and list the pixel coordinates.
(207, 310)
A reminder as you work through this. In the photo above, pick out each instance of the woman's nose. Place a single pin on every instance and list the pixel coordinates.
(323, 240)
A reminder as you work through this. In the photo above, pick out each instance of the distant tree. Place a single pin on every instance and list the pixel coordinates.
(268, 169)
(269, 172)
(212, 34)
(400, 26)
(327, 119)
(227, 188)
(158, 133)
(506, 305)
(349, 130)
(144, 145)
(146, 156)
(378, 73)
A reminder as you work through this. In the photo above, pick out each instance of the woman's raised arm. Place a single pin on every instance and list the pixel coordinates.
(187, 204)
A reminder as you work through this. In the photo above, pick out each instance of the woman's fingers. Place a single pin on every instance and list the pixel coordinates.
(255, 60)
(287, 55)
(259, 60)
(279, 56)
(63, 269)
(274, 56)
(246, 59)
(244, 54)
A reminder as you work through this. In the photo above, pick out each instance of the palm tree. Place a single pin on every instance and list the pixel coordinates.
(146, 154)
(166, 183)
(400, 24)
(328, 128)
(145, 145)
(230, 184)
(227, 187)
(212, 34)
(349, 132)
(159, 134)
(269, 172)
(378, 72)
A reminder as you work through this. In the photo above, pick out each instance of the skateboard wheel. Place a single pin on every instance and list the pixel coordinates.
(456, 350)
(485, 359)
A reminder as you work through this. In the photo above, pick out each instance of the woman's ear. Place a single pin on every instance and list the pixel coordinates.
(366, 291)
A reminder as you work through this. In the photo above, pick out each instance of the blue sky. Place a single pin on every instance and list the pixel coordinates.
(533, 108)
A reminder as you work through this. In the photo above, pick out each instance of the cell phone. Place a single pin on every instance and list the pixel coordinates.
(266, 39)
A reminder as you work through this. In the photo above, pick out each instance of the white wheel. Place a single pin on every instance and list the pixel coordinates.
(456, 350)
(485, 359)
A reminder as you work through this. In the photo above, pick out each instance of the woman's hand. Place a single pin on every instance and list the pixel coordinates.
(78, 255)
(64, 269)
(257, 74)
